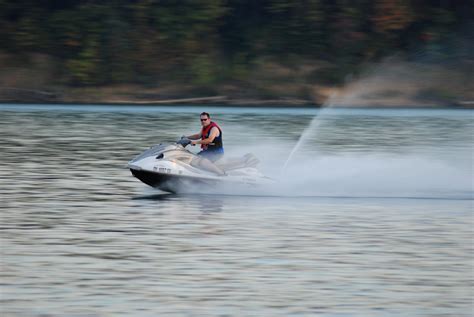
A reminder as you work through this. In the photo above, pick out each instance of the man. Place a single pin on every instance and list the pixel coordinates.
(210, 137)
(212, 147)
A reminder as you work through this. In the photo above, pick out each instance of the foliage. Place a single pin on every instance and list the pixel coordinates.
(210, 41)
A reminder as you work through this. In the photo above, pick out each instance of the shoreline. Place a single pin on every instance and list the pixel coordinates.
(468, 106)
(18, 96)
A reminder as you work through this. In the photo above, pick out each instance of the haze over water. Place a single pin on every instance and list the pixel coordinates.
(372, 217)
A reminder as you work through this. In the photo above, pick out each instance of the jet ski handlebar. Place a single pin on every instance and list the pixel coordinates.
(184, 141)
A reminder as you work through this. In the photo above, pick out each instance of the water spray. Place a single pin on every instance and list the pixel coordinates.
(314, 124)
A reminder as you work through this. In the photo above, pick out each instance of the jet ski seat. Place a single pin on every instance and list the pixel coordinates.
(248, 160)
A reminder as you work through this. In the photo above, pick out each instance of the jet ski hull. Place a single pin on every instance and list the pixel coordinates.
(170, 182)
(171, 168)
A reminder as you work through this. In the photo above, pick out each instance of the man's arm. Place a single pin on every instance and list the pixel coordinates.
(214, 133)
(194, 136)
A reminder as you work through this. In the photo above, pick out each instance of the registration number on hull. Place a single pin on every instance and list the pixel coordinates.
(162, 170)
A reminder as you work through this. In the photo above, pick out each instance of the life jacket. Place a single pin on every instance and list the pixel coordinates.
(217, 143)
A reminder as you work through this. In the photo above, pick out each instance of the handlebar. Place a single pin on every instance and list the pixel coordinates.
(184, 141)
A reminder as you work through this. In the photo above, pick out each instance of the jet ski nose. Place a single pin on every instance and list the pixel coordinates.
(134, 167)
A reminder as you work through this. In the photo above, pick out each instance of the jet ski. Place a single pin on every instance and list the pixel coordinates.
(170, 167)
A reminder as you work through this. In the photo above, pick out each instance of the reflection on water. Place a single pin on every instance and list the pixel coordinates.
(81, 237)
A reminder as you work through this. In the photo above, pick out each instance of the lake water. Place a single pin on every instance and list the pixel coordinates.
(372, 216)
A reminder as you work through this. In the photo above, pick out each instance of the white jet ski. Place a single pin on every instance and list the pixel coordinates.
(172, 168)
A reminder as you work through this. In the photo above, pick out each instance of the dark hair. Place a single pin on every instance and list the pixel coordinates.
(205, 114)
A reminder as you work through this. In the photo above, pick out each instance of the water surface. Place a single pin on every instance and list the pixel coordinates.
(373, 216)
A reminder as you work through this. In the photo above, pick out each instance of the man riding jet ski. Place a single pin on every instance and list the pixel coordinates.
(172, 168)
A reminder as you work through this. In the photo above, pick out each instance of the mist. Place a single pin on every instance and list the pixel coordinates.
(376, 153)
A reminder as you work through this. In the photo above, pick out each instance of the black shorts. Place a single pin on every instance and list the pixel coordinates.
(211, 155)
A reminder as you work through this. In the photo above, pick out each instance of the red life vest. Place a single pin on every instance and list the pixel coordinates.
(205, 134)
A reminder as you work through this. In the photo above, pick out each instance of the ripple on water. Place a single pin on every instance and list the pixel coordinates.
(81, 237)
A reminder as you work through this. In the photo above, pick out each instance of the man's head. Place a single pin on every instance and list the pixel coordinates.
(205, 119)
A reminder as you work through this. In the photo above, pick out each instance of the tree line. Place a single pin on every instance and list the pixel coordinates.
(204, 42)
